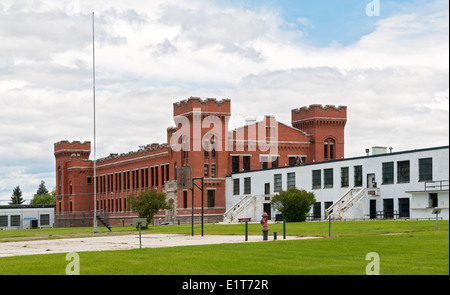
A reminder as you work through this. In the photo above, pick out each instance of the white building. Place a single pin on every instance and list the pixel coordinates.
(408, 184)
(27, 216)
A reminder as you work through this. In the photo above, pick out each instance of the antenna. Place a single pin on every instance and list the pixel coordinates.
(95, 147)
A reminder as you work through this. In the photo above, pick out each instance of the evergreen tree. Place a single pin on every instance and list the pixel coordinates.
(44, 199)
(16, 198)
(42, 190)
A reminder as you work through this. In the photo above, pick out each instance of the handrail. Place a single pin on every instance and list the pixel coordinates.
(235, 206)
(352, 201)
(329, 209)
(441, 184)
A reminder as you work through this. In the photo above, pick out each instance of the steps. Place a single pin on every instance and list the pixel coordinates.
(345, 202)
(104, 223)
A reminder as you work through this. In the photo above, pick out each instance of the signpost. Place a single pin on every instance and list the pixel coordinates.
(138, 222)
(437, 212)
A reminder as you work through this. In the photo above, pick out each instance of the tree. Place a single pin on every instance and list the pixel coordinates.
(294, 204)
(43, 199)
(16, 198)
(147, 203)
(42, 190)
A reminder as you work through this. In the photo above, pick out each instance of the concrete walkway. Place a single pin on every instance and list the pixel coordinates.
(124, 242)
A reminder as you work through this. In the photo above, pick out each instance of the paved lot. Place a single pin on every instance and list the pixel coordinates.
(121, 243)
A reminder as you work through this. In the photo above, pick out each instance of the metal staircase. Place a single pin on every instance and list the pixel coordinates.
(232, 214)
(104, 223)
(345, 202)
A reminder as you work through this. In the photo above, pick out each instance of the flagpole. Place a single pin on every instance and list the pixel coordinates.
(95, 147)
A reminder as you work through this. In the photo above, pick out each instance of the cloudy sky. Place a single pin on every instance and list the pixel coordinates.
(267, 56)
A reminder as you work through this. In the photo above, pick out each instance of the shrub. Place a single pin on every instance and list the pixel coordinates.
(294, 204)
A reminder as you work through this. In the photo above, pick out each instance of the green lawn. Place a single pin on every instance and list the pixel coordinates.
(412, 247)
(338, 228)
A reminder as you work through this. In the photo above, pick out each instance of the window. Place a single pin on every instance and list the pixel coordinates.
(167, 172)
(270, 132)
(264, 160)
(152, 176)
(235, 164)
(277, 182)
(185, 148)
(119, 181)
(344, 176)
(185, 199)
(358, 175)
(206, 148)
(127, 175)
(290, 180)
(15, 220)
(292, 161)
(403, 207)
(143, 176)
(213, 147)
(206, 168)
(296, 160)
(316, 179)
(247, 186)
(317, 210)
(236, 186)
(211, 198)
(327, 205)
(44, 219)
(274, 161)
(246, 160)
(213, 170)
(388, 173)
(145, 180)
(328, 178)
(4, 220)
(328, 149)
(403, 172)
(433, 200)
(426, 169)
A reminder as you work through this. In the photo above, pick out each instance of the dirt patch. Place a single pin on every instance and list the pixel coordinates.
(123, 242)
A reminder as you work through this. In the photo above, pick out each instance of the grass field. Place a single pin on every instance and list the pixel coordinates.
(404, 247)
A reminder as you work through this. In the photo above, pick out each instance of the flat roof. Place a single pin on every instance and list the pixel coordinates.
(27, 206)
(353, 158)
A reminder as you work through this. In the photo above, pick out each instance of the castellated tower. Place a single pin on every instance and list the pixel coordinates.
(199, 140)
(326, 125)
(200, 134)
(74, 171)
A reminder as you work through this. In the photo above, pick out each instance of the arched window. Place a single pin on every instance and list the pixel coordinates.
(185, 149)
(329, 151)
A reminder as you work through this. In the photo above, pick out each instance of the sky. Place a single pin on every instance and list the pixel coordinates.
(387, 61)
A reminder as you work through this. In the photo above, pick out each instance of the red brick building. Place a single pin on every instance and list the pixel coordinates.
(200, 139)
